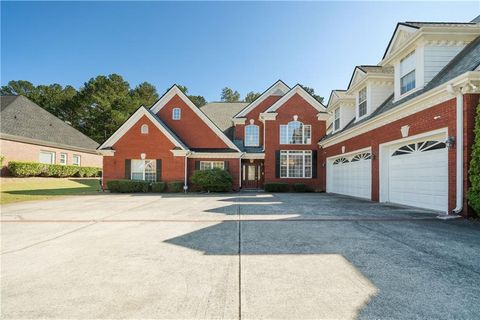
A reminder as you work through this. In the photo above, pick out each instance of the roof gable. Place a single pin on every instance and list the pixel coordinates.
(401, 34)
(357, 76)
(175, 91)
(298, 89)
(137, 115)
(279, 88)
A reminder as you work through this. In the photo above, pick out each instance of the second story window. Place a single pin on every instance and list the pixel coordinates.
(336, 119)
(144, 129)
(362, 102)
(176, 114)
(252, 135)
(407, 73)
(295, 132)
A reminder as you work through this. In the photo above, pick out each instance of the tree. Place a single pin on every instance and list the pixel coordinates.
(474, 170)
(197, 100)
(311, 91)
(144, 94)
(252, 96)
(228, 95)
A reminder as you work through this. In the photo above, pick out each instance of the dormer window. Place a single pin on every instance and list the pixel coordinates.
(407, 73)
(176, 114)
(362, 102)
(336, 119)
(251, 135)
(295, 132)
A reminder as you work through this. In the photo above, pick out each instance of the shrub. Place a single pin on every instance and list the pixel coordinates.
(26, 169)
(1, 160)
(57, 170)
(216, 180)
(175, 186)
(473, 194)
(158, 186)
(301, 187)
(128, 186)
(89, 172)
(276, 187)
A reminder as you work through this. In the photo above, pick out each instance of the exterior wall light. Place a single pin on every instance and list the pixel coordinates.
(450, 141)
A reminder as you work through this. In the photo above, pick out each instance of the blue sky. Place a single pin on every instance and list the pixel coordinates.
(205, 45)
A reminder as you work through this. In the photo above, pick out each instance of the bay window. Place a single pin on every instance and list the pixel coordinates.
(362, 102)
(295, 164)
(252, 135)
(144, 170)
(295, 132)
(407, 73)
(207, 165)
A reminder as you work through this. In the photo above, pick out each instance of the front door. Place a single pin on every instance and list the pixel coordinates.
(252, 175)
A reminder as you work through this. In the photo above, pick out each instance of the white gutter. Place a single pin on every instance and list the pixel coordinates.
(459, 160)
(185, 185)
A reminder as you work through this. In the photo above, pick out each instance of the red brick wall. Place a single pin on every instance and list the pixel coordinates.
(155, 146)
(233, 169)
(306, 114)
(254, 115)
(190, 128)
(420, 122)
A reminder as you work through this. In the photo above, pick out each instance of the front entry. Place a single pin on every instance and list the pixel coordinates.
(252, 174)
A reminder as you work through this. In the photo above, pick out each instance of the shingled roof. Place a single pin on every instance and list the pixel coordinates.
(25, 121)
(222, 113)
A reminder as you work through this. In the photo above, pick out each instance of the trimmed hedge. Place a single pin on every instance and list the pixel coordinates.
(473, 194)
(175, 186)
(276, 187)
(35, 169)
(158, 186)
(301, 187)
(128, 186)
(216, 180)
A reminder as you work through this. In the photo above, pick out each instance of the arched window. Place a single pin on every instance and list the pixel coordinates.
(176, 114)
(295, 132)
(144, 129)
(252, 136)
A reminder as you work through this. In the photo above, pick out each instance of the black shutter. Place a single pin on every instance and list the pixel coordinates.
(225, 165)
(159, 169)
(277, 164)
(314, 163)
(128, 168)
(197, 165)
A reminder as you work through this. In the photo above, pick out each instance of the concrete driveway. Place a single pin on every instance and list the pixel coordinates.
(248, 255)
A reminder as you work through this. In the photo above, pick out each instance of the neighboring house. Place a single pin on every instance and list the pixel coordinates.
(269, 140)
(402, 131)
(30, 133)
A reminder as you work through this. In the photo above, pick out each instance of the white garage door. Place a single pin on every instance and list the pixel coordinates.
(351, 175)
(418, 174)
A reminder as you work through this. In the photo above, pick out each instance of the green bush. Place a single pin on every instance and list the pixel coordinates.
(301, 187)
(175, 186)
(33, 169)
(473, 194)
(158, 186)
(128, 186)
(276, 187)
(26, 169)
(1, 160)
(216, 180)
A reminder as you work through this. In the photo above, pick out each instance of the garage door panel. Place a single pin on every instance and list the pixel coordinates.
(351, 175)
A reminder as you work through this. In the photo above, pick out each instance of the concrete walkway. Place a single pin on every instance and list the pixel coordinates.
(250, 256)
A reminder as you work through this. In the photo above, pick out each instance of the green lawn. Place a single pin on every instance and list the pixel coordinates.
(26, 189)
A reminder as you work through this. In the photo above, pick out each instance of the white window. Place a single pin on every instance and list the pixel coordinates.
(295, 164)
(362, 102)
(295, 132)
(144, 170)
(207, 165)
(144, 129)
(407, 73)
(252, 135)
(76, 159)
(336, 119)
(176, 114)
(63, 158)
(47, 157)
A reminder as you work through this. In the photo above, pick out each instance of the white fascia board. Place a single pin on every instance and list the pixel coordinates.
(277, 86)
(363, 82)
(401, 27)
(179, 153)
(133, 120)
(323, 116)
(422, 102)
(268, 116)
(176, 91)
(106, 153)
(213, 155)
(239, 121)
(254, 156)
(305, 95)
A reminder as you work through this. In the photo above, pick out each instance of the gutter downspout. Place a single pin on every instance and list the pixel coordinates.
(185, 185)
(459, 159)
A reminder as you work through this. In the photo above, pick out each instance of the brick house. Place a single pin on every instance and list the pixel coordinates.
(30, 133)
(401, 132)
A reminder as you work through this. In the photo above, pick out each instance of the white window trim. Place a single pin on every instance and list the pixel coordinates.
(257, 135)
(50, 152)
(335, 118)
(144, 129)
(143, 171)
(66, 158)
(303, 134)
(79, 160)
(359, 117)
(304, 153)
(174, 117)
(210, 164)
